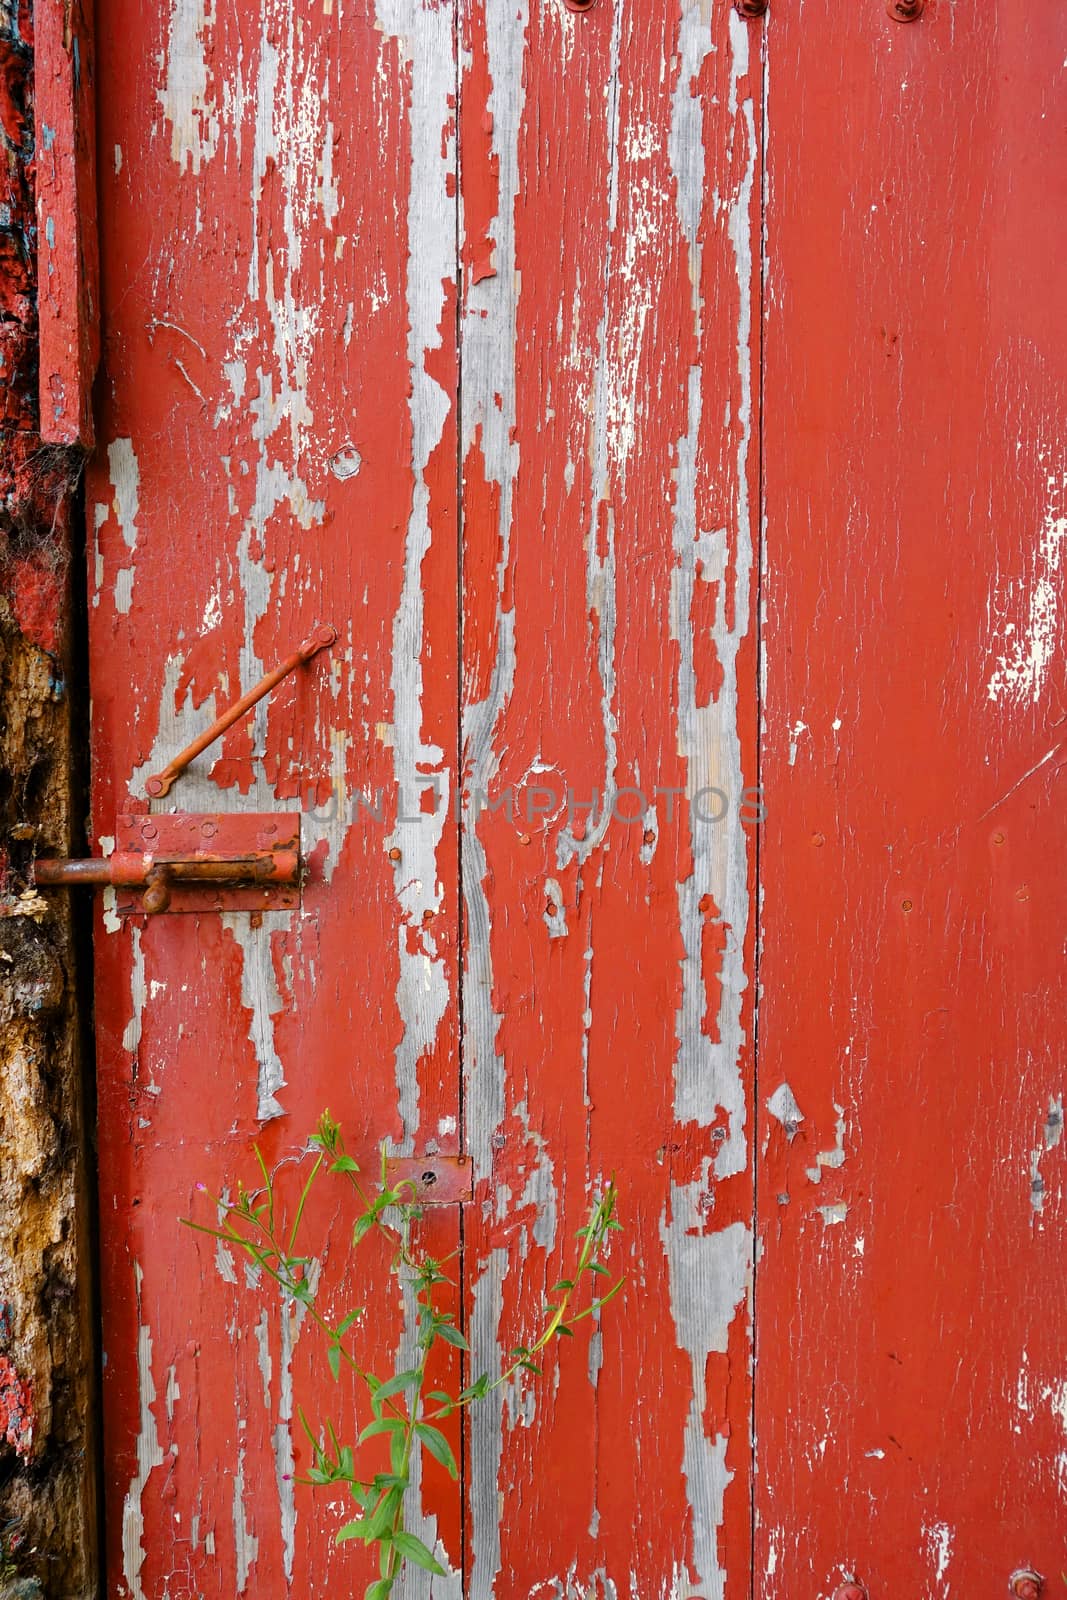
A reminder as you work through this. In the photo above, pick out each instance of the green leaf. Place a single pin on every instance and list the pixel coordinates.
(352, 1530)
(381, 1589)
(363, 1226)
(346, 1323)
(382, 1517)
(478, 1389)
(414, 1550)
(344, 1164)
(452, 1336)
(564, 1283)
(598, 1266)
(402, 1380)
(333, 1356)
(530, 1366)
(568, 1333)
(383, 1425)
(438, 1446)
(398, 1445)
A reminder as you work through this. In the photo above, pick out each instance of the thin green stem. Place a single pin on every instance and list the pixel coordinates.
(316, 1169)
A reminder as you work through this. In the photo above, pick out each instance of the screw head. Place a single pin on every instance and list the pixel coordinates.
(1026, 1584)
(751, 10)
(579, 5)
(905, 10)
(850, 1591)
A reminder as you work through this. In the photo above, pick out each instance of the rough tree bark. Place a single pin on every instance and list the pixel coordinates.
(47, 1488)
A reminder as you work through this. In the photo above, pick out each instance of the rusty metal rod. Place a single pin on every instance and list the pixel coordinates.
(321, 639)
(91, 871)
(133, 871)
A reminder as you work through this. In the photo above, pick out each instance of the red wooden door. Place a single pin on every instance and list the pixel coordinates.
(301, 365)
(519, 345)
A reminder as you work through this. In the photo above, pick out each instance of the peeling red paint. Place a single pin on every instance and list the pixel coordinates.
(16, 1408)
(500, 414)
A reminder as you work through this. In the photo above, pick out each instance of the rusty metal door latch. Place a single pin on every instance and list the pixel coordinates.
(185, 861)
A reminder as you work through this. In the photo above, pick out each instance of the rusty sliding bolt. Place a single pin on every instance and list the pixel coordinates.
(321, 639)
(905, 10)
(1026, 1584)
(158, 878)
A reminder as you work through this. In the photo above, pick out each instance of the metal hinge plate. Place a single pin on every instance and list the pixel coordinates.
(434, 1180)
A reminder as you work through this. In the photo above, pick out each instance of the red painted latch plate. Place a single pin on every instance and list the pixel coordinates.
(436, 1180)
(223, 861)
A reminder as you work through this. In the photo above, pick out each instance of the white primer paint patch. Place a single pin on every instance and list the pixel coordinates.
(486, 1426)
(131, 1037)
(245, 1543)
(126, 482)
(1051, 1134)
(783, 1106)
(149, 1456)
(709, 1280)
(610, 442)
(185, 97)
(937, 1537)
(422, 987)
(261, 996)
(830, 1158)
(489, 414)
(1027, 613)
(554, 915)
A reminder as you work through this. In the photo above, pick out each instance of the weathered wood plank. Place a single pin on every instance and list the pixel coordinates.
(610, 186)
(911, 1371)
(278, 449)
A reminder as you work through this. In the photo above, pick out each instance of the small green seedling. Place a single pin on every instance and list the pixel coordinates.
(399, 1407)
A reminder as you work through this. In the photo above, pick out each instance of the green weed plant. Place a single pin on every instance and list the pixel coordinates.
(400, 1407)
